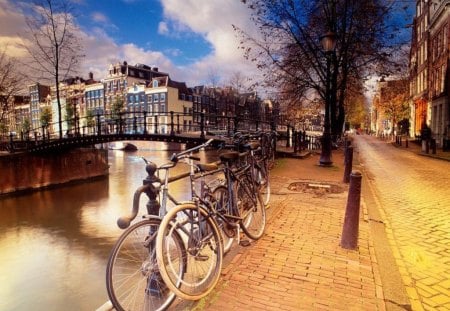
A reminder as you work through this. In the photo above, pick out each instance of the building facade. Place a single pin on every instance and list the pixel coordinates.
(429, 76)
(438, 64)
(122, 75)
(38, 99)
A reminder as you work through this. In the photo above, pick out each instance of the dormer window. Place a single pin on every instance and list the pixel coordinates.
(155, 83)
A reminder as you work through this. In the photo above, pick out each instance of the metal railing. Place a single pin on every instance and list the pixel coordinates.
(196, 125)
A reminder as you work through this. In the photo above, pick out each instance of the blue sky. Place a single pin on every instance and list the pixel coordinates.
(189, 39)
(141, 22)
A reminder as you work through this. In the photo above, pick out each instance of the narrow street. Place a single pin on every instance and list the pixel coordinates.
(413, 197)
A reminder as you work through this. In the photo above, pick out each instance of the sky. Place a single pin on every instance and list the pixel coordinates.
(189, 39)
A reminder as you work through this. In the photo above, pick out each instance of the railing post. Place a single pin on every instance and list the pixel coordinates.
(156, 124)
(99, 126)
(43, 133)
(229, 125)
(119, 124)
(257, 125)
(145, 122)
(288, 135)
(235, 124)
(11, 143)
(295, 136)
(178, 123)
(202, 125)
(135, 125)
(172, 132)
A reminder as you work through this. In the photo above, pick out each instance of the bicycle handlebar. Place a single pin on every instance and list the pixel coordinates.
(176, 156)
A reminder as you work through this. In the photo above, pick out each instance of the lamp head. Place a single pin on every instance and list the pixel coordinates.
(328, 41)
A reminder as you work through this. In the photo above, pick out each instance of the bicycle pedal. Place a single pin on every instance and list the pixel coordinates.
(201, 258)
(244, 243)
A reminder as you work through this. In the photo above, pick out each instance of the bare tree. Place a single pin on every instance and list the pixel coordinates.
(288, 45)
(55, 50)
(10, 85)
(239, 82)
(213, 77)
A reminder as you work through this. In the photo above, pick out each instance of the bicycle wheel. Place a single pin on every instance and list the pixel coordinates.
(263, 181)
(251, 208)
(204, 251)
(133, 280)
(222, 206)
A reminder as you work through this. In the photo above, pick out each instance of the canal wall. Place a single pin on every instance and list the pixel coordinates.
(23, 171)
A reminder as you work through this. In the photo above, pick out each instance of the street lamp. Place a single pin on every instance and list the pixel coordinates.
(328, 44)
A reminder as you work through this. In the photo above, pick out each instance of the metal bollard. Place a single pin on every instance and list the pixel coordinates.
(349, 239)
(348, 161)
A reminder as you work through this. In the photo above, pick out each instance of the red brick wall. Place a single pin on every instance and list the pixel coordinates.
(20, 172)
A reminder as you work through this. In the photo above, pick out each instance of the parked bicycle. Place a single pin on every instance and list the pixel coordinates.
(132, 276)
(202, 225)
(178, 251)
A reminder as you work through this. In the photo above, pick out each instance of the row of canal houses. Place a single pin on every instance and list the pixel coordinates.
(140, 88)
(429, 77)
(429, 71)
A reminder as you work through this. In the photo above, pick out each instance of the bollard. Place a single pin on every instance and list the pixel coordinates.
(349, 239)
(406, 142)
(348, 163)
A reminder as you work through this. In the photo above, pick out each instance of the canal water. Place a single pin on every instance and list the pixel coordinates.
(54, 244)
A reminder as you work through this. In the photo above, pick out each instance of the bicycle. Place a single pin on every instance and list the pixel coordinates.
(258, 146)
(201, 224)
(132, 276)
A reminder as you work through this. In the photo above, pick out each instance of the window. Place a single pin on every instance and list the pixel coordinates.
(162, 97)
(155, 98)
(163, 107)
(155, 83)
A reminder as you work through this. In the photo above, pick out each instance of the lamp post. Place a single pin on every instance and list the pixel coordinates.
(328, 43)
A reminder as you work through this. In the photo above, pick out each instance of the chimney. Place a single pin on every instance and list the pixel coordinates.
(155, 69)
(91, 76)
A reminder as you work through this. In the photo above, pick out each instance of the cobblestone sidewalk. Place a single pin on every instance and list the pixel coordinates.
(298, 264)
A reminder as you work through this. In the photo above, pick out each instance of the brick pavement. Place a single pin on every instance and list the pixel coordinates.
(298, 264)
(414, 205)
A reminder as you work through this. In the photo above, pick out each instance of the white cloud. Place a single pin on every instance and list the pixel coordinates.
(99, 17)
(210, 19)
(101, 51)
(213, 20)
(163, 28)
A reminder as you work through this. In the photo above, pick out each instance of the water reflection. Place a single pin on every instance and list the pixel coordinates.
(54, 244)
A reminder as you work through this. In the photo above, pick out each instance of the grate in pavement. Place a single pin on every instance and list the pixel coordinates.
(315, 188)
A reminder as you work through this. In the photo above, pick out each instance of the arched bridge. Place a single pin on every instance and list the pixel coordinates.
(165, 127)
